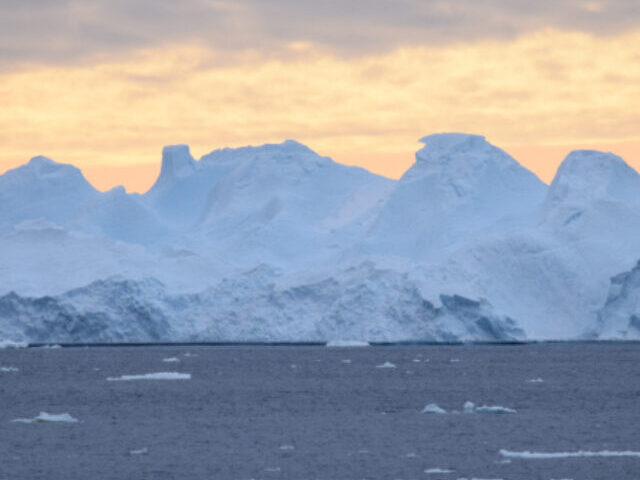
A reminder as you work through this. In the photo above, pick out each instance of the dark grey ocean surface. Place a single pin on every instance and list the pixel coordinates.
(320, 413)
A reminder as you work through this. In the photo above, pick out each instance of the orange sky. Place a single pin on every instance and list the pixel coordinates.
(537, 96)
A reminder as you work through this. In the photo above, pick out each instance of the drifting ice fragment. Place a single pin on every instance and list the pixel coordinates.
(468, 407)
(8, 369)
(386, 365)
(142, 451)
(433, 408)
(171, 359)
(438, 470)
(494, 409)
(48, 417)
(152, 376)
(527, 455)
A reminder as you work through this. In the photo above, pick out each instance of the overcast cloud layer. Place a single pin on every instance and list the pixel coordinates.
(36, 31)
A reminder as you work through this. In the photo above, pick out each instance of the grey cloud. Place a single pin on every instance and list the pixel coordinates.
(71, 30)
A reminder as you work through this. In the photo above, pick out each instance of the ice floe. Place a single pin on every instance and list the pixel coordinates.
(152, 376)
(477, 478)
(347, 343)
(48, 417)
(535, 380)
(438, 470)
(580, 453)
(171, 360)
(494, 409)
(433, 408)
(386, 365)
(470, 407)
(9, 369)
(287, 448)
(141, 451)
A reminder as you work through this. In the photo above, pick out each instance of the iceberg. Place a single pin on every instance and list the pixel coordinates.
(278, 243)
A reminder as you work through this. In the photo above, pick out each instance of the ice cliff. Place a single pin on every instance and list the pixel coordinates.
(620, 316)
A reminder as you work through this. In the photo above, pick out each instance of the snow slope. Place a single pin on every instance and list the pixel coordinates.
(460, 185)
(42, 189)
(279, 203)
(278, 243)
(58, 193)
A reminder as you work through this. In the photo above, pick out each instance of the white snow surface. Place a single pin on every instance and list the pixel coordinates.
(151, 376)
(277, 243)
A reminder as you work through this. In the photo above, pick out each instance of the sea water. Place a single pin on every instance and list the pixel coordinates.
(312, 412)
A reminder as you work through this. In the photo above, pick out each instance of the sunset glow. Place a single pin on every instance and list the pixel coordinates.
(538, 96)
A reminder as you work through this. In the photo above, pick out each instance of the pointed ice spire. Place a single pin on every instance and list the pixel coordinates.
(177, 162)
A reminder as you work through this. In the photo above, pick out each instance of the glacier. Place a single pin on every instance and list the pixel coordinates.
(278, 243)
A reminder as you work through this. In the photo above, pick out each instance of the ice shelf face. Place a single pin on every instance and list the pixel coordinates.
(620, 316)
(276, 242)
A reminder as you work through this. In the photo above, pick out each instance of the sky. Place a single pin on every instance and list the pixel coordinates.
(105, 84)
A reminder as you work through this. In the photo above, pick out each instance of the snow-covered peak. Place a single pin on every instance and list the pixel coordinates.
(458, 156)
(41, 169)
(40, 161)
(42, 175)
(587, 175)
(439, 145)
(278, 152)
(459, 185)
